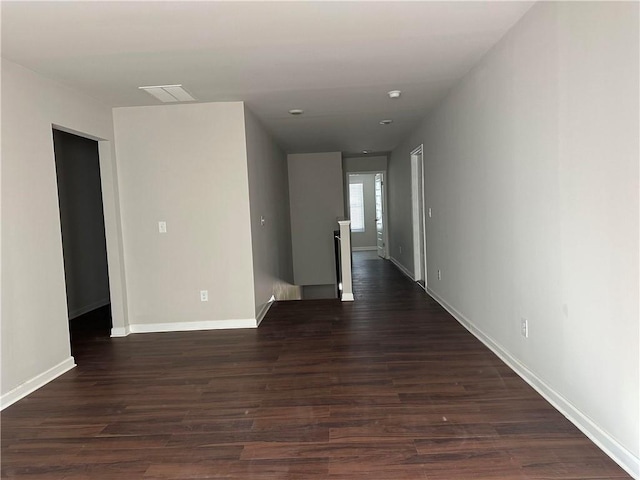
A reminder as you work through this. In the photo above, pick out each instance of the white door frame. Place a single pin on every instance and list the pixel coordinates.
(383, 208)
(385, 227)
(418, 211)
(112, 230)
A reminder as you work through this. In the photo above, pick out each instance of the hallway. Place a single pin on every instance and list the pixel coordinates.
(387, 387)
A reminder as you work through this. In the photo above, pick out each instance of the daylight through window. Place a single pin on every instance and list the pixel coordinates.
(356, 206)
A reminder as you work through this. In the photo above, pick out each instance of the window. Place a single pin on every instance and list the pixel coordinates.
(356, 206)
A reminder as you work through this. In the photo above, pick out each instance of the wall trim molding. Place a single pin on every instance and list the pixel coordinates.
(364, 249)
(36, 382)
(263, 312)
(609, 445)
(87, 308)
(402, 268)
(120, 331)
(347, 297)
(190, 326)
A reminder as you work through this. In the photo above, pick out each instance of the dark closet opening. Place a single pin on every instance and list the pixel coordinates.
(83, 236)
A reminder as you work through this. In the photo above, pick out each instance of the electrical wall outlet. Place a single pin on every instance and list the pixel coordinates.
(429, 212)
(162, 227)
(524, 327)
(439, 275)
(400, 248)
(204, 295)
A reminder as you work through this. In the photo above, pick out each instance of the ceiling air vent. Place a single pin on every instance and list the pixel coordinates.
(169, 93)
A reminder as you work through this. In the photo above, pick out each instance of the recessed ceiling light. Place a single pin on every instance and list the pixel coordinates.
(394, 94)
(385, 122)
(296, 111)
(169, 93)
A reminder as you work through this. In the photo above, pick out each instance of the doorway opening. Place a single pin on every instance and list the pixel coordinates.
(367, 211)
(83, 236)
(419, 233)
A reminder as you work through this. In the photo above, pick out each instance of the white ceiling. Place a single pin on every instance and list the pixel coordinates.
(335, 60)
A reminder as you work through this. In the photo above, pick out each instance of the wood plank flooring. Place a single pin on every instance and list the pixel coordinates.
(389, 387)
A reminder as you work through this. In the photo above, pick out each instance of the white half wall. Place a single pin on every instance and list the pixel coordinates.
(270, 219)
(316, 198)
(34, 327)
(185, 165)
(531, 167)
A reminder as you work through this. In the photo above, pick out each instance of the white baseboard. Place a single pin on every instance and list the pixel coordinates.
(402, 268)
(35, 383)
(347, 297)
(190, 326)
(263, 311)
(609, 445)
(186, 326)
(120, 331)
(87, 308)
(363, 249)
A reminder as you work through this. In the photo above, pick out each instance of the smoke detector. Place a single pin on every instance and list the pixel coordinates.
(296, 111)
(385, 122)
(394, 94)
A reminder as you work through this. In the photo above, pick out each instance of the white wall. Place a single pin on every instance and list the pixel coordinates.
(399, 218)
(35, 332)
(377, 163)
(316, 198)
(532, 174)
(185, 165)
(369, 237)
(269, 200)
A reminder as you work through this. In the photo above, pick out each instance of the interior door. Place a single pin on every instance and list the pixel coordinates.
(379, 215)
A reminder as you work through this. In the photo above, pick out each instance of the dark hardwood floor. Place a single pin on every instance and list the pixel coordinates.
(388, 387)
